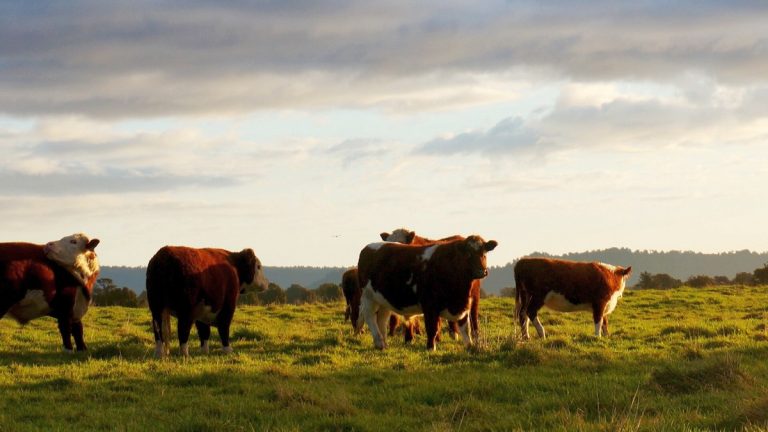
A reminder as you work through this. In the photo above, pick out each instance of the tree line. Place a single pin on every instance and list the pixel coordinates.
(664, 281)
(107, 293)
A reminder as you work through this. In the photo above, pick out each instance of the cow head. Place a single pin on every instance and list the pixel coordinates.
(474, 249)
(76, 254)
(400, 235)
(249, 270)
(624, 274)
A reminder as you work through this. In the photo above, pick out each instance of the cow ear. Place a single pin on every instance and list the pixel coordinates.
(411, 236)
(92, 244)
(490, 245)
(624, 272)
(384, 236)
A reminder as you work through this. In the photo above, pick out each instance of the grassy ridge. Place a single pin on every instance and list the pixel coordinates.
(676, 360)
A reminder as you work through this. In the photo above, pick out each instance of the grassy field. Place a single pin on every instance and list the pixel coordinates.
(687, 359)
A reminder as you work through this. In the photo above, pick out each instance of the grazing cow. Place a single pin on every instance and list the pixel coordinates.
(199, 286)
(435, 281)
(567, 286)
(54, 280)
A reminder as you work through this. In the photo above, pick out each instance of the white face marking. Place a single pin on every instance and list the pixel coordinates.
(428, 253)
(558, 302)
(32, 306)
(475, 244)
(71, 253)
(399, 235)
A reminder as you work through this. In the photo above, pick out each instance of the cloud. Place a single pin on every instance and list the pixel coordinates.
(508, 136)
(156, 59)
(112, 182)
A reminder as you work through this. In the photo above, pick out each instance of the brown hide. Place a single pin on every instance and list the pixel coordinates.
(580, 283)
(185, 281)
(25, 268)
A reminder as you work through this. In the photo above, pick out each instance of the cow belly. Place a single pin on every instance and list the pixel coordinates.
(558, 302)
(203, 313)
(407, 311)
(32, 306)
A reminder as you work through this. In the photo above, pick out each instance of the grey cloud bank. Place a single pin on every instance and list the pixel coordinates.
(152, 59)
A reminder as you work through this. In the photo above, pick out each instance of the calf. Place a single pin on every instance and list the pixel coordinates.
(435, 281)
(567, 286)
(199, 286)
(54, 280)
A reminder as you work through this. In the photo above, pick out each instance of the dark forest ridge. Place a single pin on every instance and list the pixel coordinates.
(679, 264)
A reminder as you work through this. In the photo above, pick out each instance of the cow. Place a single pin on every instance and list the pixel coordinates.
(405, 236)
(567, 286)
(434, 281)
(199, 286)
(55, 279)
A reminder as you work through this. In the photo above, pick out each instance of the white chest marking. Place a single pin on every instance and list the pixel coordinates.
(558, 302)
(611, 305)
(451, 317)
(32, 306)
(81, 305)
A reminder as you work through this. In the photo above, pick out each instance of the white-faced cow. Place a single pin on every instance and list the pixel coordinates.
(199, 286)
(55, 280)
(567, 286)
(434, 281)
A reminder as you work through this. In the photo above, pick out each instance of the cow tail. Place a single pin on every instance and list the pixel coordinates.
(519, 301)
(165, 328)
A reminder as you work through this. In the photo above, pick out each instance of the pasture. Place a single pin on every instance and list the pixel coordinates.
(685, 359)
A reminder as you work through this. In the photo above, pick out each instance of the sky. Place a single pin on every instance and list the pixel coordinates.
(303, 129)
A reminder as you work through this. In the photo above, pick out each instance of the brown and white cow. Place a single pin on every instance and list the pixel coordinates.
(434, 281)
(55, 279)
(405, 236)
(199, 286)
(567, 286)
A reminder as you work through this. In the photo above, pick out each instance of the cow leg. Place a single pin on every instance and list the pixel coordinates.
(605, 325)
(431, 322)
(533, 314)
(597, 316)
(409, 326)
(204, 333)
(453, 330)
(224, 321)
(539, 327)
(394, 320)
(77, 333)
(382, 318)
(474, 310)
(464, 324)
(65, 329)
(184, 327)
(368, 310)
(161, 344)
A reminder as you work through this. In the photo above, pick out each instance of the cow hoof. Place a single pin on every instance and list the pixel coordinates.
(227, 350)
(68, 350)
(204, 348)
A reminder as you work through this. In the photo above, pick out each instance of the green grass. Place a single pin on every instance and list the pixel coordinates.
(687, 359)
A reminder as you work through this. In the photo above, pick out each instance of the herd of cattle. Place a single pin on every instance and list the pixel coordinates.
(404, 275)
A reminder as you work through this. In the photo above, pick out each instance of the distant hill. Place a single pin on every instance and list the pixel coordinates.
(310, 277)
(680, 265)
